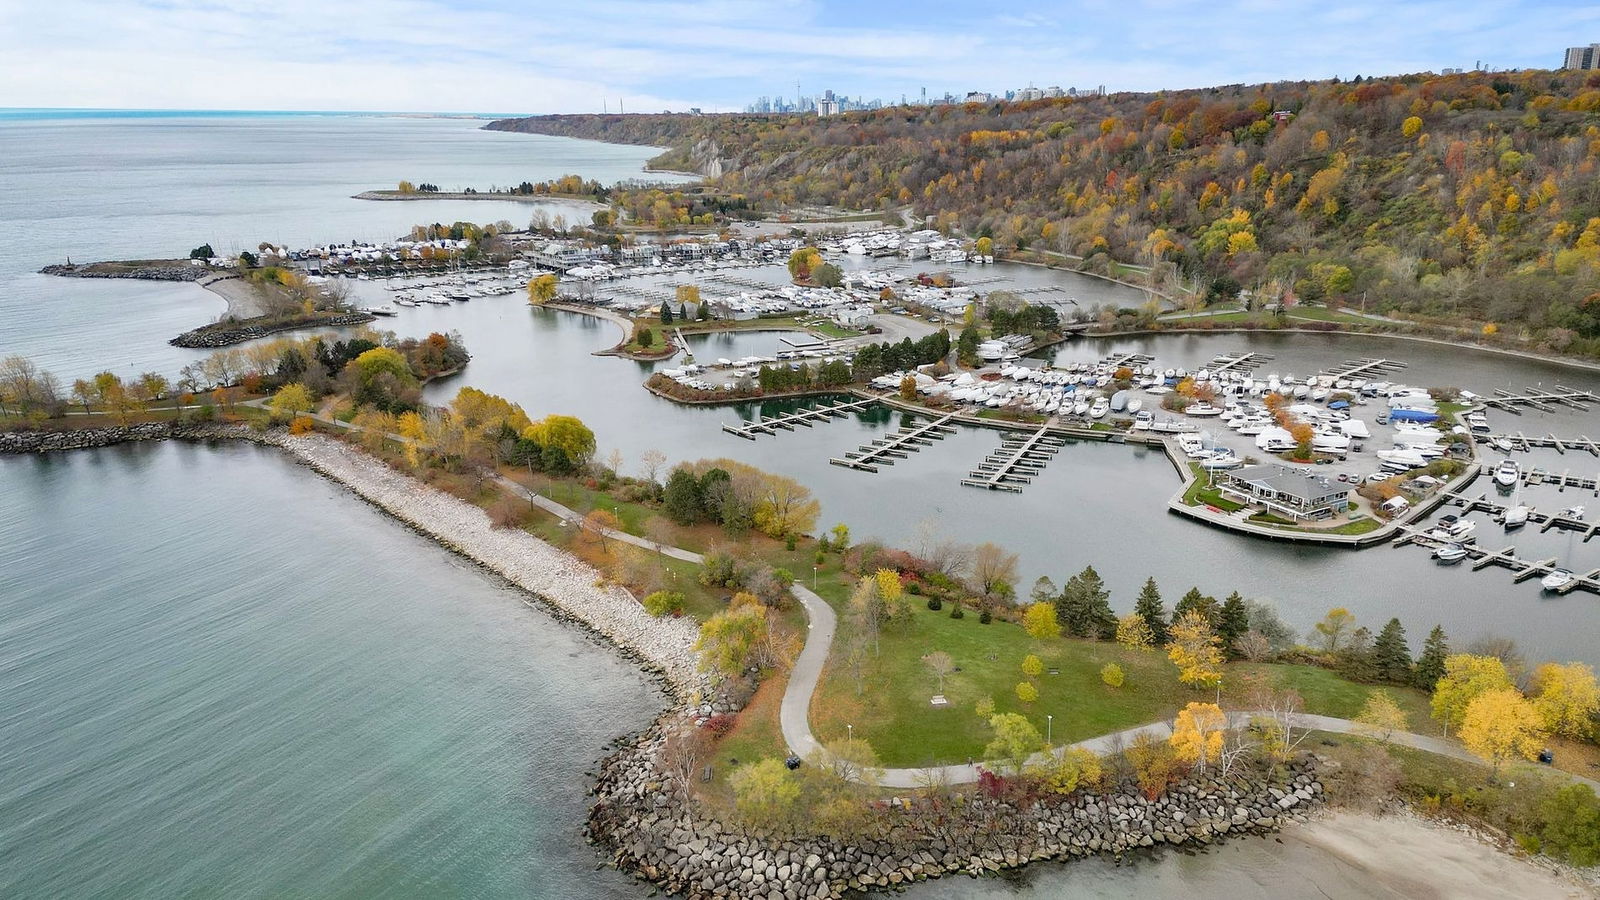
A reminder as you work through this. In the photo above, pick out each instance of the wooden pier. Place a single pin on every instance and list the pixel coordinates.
(1019, 459)
(1521, 569)
(1365, 368)
(787, 421)
(1118, 360)
(1545, 521)
(1541, 399)
(1244, 362)
(1563, 481)
(1522, 442)
(908, 440)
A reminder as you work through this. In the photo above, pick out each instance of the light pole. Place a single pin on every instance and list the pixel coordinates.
(850, 733)
(813, 578)
(1049, 729)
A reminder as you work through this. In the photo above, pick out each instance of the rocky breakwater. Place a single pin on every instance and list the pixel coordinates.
(646, 829)
(225, 333)
(46, 441)
(162, 270)
(569, 587)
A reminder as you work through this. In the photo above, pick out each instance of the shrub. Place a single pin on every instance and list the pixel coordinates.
(1026, 692)
(935, 604)
(984, 617)
(958, 613)
(663, 603)
(507, 512)
(914, 588)
(720, 724)
(1112, 675)
(302, 425)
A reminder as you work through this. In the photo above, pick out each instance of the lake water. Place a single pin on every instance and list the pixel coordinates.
(226, 676)
(305, 700)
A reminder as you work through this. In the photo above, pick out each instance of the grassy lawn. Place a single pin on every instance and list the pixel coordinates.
(1323, 314)
(894, 715)
(1199, 493)
(755, 736)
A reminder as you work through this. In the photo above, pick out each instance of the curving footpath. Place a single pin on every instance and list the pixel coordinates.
(822, 623)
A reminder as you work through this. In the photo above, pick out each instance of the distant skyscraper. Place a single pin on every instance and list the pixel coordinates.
(1583, 57)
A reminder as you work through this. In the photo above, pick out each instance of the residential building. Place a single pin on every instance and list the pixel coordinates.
(1295, 493)
(1583, 57)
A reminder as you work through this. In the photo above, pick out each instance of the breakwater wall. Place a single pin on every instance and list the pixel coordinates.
(237, 333)
(154, 272)
(43, 441)
(646, 830)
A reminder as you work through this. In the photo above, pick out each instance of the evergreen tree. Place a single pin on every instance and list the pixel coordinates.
(1356, 658)
(1232, 620)
(1154, 611)
(666, 313)
(1082, 608)
(1430, 665)
(967, 346)
(1391, 656)
(683, 312)
(1194, 601)
(682, 497)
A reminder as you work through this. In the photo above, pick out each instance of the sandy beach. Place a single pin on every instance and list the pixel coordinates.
(242, 299)
(1411, 857)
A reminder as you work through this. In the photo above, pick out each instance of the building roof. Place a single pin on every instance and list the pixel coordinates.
(1294, 482)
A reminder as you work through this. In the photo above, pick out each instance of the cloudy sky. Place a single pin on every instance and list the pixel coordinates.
(540, 56)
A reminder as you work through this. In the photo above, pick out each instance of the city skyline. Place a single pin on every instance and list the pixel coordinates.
(489, 55)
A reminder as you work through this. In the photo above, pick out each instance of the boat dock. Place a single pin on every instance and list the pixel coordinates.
(1243, 362)
(1365, 368)
(1520, 441)
(1563, 481)
(1119, 360)
(1019, 459)
(787, 421)
(884, 451)
(1545, 521)
(1521, 569)
(1541, 399)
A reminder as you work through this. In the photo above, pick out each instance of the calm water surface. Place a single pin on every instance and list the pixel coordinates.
(224, 676)
(304, 699)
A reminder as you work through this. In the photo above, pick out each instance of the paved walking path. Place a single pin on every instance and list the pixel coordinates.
(794, 713)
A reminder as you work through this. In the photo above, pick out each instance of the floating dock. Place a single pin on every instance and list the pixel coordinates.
(1520, 441)
(1541, 399)
(1019, 459)
(787, 421)
(1365, 368)
(1545, 521)
(1521, 569)
(903, 443)
(1244, 362)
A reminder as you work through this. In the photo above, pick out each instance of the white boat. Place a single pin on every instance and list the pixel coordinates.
(1573, 512)
(1403, 457)
(1099, 408)
(1450, 553)
(1080, 408)
(1202, 409)
(1517, 516)
(382, 309)
(1220, 462)
(1508, 473)
(1502, 444)
(1557, 579)
(1119, 401)
(1134, 404)
(1143, 420)
(1191, 444)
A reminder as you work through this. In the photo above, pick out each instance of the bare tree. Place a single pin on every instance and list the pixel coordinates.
(1253, 646)
(1281, 710)
(940, 665)
(992, 568)
(651, 462)
(614, 461)
(681, 754)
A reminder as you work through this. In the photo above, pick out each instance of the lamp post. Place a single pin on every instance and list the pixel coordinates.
(850, 733)
(1049, 729)
(813, 578)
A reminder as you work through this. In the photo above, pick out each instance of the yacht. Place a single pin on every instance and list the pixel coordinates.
(1573, 512)
(1517, 516)
(1450, 553)
(1508, 473)
(1220, 461)
(1202, 409)
(1098, 409)
(1557, 579)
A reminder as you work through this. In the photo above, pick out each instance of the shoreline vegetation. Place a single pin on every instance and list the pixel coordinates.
(670, 828)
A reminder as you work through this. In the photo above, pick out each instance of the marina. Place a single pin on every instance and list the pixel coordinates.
(1541, 399)
(1019, 459)
(883, 452)
(805, 417)
(1521, 569)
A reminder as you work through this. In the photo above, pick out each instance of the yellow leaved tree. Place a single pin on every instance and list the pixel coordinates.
(1197, 734)
(1501, 725)
(1194, 650)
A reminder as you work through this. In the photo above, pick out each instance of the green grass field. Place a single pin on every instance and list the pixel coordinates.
(894, 715)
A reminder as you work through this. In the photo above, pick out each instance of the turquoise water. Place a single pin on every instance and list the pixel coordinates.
(226, 677)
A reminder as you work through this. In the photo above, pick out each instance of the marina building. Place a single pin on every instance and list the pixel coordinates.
(1296, 493)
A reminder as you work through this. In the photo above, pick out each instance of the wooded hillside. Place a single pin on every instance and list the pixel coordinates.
(1471, 197)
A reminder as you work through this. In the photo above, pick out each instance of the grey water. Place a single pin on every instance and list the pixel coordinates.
(225, 676)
